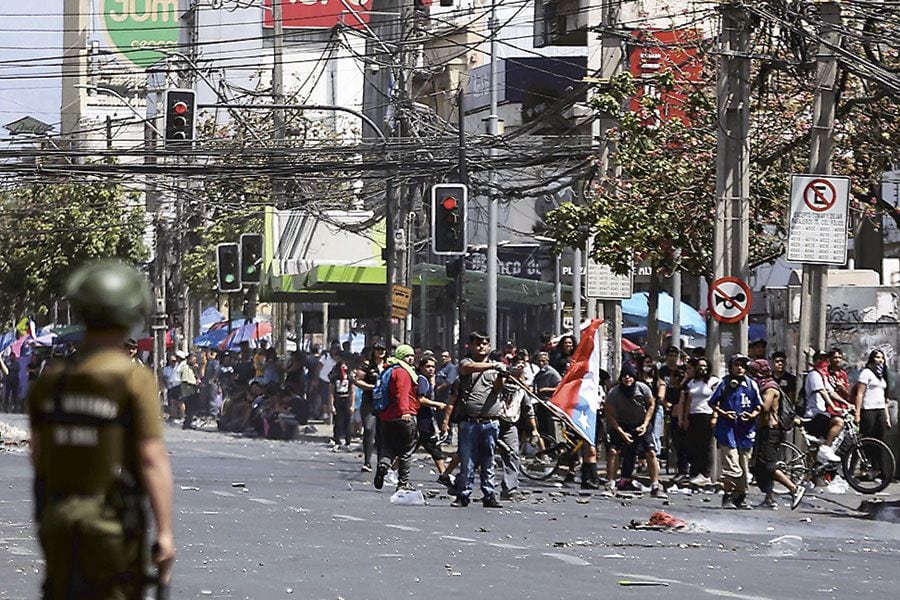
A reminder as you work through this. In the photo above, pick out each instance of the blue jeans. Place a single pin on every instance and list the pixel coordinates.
(477, 442)
(659, 423)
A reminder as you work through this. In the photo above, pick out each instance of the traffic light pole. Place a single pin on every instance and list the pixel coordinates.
(494, 132)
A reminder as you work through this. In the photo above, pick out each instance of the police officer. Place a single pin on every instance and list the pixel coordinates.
(98, 451)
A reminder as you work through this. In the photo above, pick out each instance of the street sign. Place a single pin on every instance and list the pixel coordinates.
(602, 283)
(818, 219)
(400, 298)
(730, 299)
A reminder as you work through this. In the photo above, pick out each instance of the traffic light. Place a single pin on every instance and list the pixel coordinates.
(228, 267)
(448, 218)
(180, 114)
(251, 257)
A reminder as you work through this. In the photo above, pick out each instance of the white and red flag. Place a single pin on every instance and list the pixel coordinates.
(577, 398)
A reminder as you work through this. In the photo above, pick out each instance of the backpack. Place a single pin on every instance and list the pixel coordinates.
(787, 412)
(381, 399)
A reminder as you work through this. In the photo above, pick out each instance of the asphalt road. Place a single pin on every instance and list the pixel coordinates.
(305, 522)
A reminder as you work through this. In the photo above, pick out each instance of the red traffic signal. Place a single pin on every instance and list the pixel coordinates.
(448, 219)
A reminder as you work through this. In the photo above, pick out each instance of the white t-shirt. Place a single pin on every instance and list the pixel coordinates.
(699, 393)
(327, 365)
(528, 373)
(874, 396)
(815, 403)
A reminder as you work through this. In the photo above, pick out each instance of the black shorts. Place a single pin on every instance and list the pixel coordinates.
(818, 426)
(641, 444)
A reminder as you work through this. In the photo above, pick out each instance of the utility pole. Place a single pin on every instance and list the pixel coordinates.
(459, 323)
(607, 60)
(278, 180)
(814, 284)
(494, 132)
(732, 227)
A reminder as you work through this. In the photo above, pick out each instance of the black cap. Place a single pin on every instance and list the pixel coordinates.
(734, 358)
(131, 343)
(628, 369)
(759, 342)
(379, 346)
(478, 335)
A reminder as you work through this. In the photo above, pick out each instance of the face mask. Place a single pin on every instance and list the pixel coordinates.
(702, 372)
(648, 369)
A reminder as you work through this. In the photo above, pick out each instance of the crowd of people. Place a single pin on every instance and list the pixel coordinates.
(402, 399)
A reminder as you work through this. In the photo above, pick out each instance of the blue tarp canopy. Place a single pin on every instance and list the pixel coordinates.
(209, 317)
(636, 309)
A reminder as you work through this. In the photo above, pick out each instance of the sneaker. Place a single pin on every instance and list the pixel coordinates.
(445, 480)
(406, 487)
(379, 476)
(827, 455)
(797, 496)
(726, 499)
(367, 468)
(700, 480)
(741, 502)
(491, 502)
(656, 491)
(510, 496)
(770, 503)
(392, 477)
(589, 485)
(460, 502)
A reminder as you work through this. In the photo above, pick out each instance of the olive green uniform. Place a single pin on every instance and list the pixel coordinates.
(90, 416)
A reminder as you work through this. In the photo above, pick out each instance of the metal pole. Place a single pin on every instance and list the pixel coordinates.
(732, 228)
(557, 296)
(606, 60)
(459, 323)
(494, 131)
(676, 302)
(814, 285)
(576, 292)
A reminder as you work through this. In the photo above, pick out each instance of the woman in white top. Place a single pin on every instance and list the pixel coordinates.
(871, 397)
(698, 419)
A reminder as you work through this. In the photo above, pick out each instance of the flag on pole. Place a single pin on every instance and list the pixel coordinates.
(577, 398)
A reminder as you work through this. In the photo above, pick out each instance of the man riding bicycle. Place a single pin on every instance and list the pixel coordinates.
(824, 407)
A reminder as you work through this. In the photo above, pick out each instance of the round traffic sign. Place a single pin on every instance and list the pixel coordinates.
(819, 195)
(729, 299)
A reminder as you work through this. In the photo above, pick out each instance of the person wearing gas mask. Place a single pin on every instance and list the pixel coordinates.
(736, 404)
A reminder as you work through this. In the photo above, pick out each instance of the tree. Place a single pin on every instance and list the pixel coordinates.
(664, 197)
(51, 226)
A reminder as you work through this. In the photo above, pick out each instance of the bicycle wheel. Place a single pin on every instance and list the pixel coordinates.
(538, 464)
(793, 463)
(869, 466)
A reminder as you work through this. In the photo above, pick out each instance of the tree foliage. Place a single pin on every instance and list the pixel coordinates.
(663, 197)
(49, 228)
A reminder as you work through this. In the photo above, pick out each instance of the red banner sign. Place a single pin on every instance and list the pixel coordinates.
(666, 51)
(318, 14)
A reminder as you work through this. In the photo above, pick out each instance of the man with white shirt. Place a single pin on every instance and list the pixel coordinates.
(326, 365)
(822, 402)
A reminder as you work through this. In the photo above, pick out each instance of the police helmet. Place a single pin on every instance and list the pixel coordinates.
(109, 293)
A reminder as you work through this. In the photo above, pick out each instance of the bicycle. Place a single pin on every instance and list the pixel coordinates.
(541, 463)
(867, 464)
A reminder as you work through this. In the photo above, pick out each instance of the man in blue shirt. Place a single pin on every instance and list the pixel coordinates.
(736, 404)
